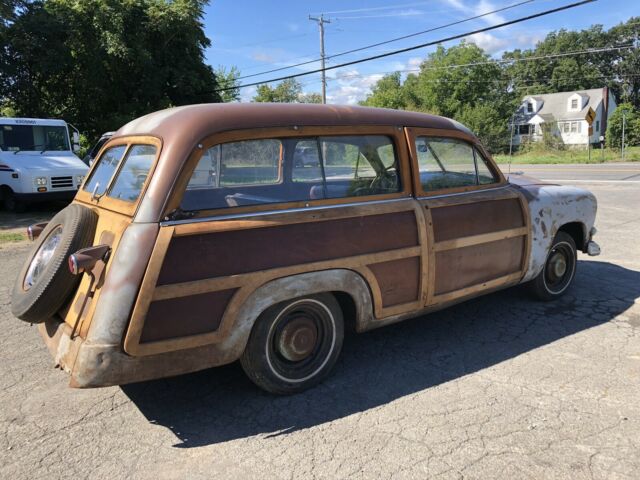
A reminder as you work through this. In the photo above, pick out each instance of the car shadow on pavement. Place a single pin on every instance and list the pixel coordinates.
(380, 366)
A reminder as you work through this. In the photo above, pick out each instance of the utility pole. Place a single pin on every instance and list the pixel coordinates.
(624, 118)
(321, 21)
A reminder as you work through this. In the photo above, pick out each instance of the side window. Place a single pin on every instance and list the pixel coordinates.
(255, 172)
(306, 161)
(235, 174)
(250, 162)
(133, 173)
(105, 169)
(445, 163)
(485, 175)
(359, 165)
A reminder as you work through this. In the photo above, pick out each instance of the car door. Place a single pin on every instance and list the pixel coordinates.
(476, 223)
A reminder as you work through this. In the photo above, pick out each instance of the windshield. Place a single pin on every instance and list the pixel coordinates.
(15, 138)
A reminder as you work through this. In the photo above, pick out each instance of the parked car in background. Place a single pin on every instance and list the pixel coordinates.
(198, 239)
(91, 154)
(37, 162)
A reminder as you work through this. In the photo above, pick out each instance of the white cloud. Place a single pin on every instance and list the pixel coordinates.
(480, 8)
(350, 86)
(489, 43)
(263, 57)
(529, 41)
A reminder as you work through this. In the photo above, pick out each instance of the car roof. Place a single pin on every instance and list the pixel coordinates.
(201, 121)
(32, 121)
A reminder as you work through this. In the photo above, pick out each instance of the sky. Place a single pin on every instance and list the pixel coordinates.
(256, 36)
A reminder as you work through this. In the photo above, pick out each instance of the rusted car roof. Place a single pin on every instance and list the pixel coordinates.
(199, 121)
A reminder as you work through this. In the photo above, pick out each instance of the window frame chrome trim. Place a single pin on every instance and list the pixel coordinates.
(236, 216)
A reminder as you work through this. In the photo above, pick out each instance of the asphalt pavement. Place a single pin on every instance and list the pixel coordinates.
(501, 387)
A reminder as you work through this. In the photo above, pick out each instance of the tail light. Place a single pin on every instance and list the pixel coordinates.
(85, 259)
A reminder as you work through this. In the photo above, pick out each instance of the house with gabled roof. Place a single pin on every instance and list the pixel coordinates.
(564, 115)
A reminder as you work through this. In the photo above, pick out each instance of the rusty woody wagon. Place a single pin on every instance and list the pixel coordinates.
(211, 233)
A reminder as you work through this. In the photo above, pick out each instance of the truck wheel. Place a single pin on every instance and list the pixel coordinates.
(559, 269)
(294, 345)
(12, 204)
(45, 282)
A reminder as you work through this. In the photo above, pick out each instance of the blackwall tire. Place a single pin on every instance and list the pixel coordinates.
(45, 282)
(549, 285)
(294, 345)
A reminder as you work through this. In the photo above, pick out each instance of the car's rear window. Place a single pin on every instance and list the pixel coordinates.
(99, 180)
(131, 174)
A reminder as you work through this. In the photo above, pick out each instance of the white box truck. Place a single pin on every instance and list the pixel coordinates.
(37, 162)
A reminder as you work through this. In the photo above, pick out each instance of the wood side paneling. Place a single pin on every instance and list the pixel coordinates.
(462, 267)
(399, 280)
(185, 316)
(458, 221)
(198, 257)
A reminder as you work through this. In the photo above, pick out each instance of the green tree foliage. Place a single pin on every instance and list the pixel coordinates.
(310, 98)
(101, 63)
(287, 91)
(459, 83)
(474, 94)
(631, 126)
(228, 79)
(388, 92)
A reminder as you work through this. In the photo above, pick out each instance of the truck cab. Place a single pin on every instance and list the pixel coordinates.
(37, 162)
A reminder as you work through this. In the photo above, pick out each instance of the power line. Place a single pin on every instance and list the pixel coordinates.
(509, 60)
(404, 37)
(416, 47)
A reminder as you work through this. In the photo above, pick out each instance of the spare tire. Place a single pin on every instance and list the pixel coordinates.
(45, 282)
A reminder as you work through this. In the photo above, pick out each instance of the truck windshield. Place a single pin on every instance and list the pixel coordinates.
(33, 137)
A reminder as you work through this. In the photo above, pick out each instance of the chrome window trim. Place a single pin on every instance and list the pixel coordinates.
(236, 216)
(444, 195)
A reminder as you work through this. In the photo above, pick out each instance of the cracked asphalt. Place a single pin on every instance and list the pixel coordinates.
(499, 387)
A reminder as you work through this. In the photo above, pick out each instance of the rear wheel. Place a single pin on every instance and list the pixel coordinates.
(294, 345)
(559, 269)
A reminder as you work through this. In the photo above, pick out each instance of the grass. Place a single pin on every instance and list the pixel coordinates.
(11, 237)
(632, 154)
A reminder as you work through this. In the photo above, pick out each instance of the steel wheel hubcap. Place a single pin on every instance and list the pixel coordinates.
(42, 258)
(298, 339)
(558, 264)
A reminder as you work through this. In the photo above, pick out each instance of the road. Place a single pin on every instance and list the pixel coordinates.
(595, 173)
(501, 387)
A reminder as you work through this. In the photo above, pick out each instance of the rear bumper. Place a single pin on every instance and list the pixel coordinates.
(52, 196)
(92, 365)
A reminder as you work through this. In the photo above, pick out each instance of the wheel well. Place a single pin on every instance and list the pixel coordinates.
(349, 310)
(4, 190)
(576, 230)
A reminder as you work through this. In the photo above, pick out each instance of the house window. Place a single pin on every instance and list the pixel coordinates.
(597, 125)
(574, 104)
(524, 129)
(530, 107)
(566, 126)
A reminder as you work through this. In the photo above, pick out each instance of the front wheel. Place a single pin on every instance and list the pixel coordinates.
(294, 345)
(559, 269)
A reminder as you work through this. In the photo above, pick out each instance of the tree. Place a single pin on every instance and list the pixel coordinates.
(286, 91)
(631, 126)
(228, 79)
(388, 92)
(101, 63)
(310, 98)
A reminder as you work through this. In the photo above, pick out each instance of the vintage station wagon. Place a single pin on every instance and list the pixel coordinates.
(210, 233)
